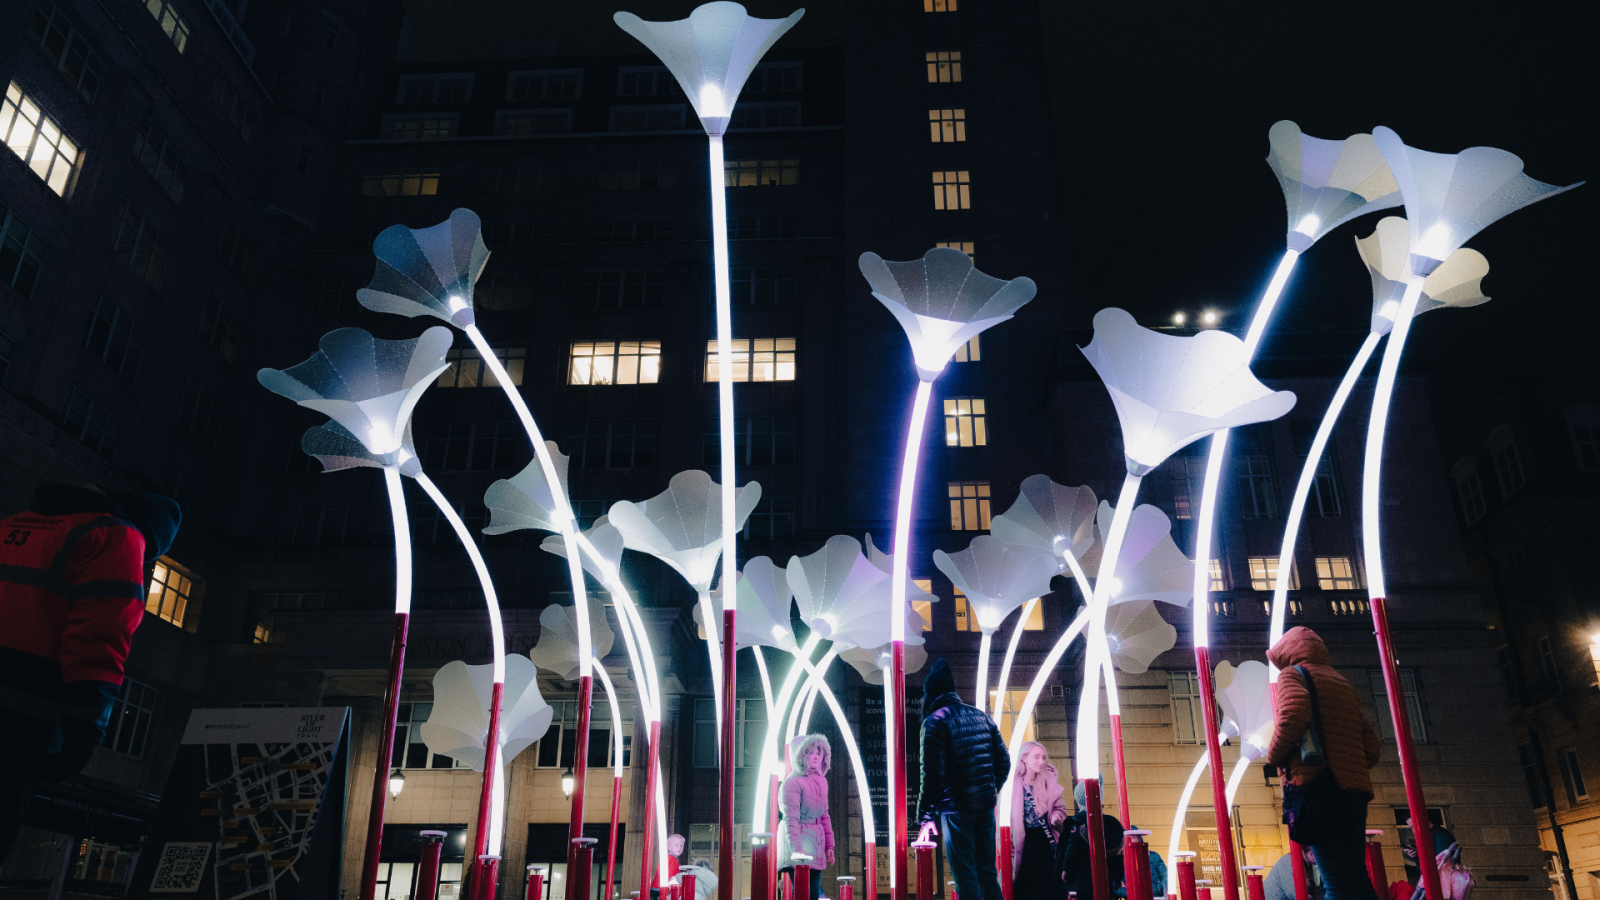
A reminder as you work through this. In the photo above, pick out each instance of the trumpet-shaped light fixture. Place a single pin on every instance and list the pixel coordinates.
(764, 598)
(833, 589)
(525, 500)
(428, 271)
(1057, 518)
(871, 663)
(997, 578)
(1327, 183)
(557, 648)
(1137, 634)
(337, 449)
(1245, 697)
(1150, 565)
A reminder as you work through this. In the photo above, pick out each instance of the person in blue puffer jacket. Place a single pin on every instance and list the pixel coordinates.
(964, 766)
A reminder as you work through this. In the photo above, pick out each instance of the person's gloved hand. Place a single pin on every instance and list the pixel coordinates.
(85, 710)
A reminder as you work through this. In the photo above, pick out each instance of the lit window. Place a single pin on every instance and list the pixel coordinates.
(1572, 775)
(939, 6)
(947, 126)
(967, 247)
(1219, 579)
(170, 591)
(1583, 424)
(1410, 684)
(472, 446)
(1502, 446)
(131, 712)
(37, 140)
(964, 422)
(944, 66)
(757, 441)
(1336, 573)
(969, 505)
(781, 114)
(611, 443)
(646, 81)
(970, 351)
(453, 88)
(1011, 707)
(89, 422)
(1184, 690)
(1264, 574)
(622, 290)
(171, 23)
(952, 190)
(523, 122)
(772, 519)
(1469, 490)
(21, 252)
(771, 359)
(466, 368)
(648, 118)
(112, 338)
(549, 84)
(763, 228)
(967, 621)
(760, 172)
(634, 174)
(924, 608)
(774, 77)
(263, 633)
(417, 181)
(615, 362)
(1256, 496)
(418, 128)
(64, 46)
(763, 286)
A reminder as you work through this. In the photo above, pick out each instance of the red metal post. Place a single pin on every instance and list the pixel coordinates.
(954, 894)
(535, 883)
(1003, 860)
(1421, 828)
(1253, 883)
(647, 833)
(897, 675)
(869, 883)
(847, 891)
(580, 772)
(1136, 858)
(488, 874)
(491, 753)
(428, 867)
(772, 822)
(380, 770)
(1097, 842)
(1298, 864)
(1203, 888)
(760, 863)
(725, 828)
(1219, 778)
(686, 885)
(802, 880)
(1120, 767)
(924, 869)
(786, 885)
(582, 855)
(1185, 867)
(1375, 867)
(611, 845)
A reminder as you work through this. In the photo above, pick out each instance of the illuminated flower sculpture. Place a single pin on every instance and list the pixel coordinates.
(997, 579)
(942, 302)
(1327, 183)
(369, 387)
(1136, 634)
(1244, 694)
(1150, 566)
(458, 726)
(1053, 516)
(525, 500)
(1449, 197)
(556, 650)
(1387, 253)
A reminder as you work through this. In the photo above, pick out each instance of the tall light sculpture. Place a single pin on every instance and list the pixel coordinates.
(1168, 391)
(370, 386)
(337, 449)
(1386, 253)
(1325, 184)
(711, 54)
(1245, 696)
(1449, 197)
(997, 579)
(431, 272)
(942, 302)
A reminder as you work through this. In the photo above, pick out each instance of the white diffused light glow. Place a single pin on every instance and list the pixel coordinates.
(1011, 652)
(1088, 743)
(1436, 242)
(711, 105)
(1373, 464)
(769, 743)
(1178, 319)
(1209, 317)
(402, 541)
(1200, 767)
(1302, 490)
(616, 721)
(1309, 224)
(902, 513)
(982, 697)
(1239, 768)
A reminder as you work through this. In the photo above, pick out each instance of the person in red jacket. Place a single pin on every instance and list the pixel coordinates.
(72, 577)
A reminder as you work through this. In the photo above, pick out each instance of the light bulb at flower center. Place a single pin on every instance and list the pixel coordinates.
(1436, 243)
(1308, 226)
(711, 101)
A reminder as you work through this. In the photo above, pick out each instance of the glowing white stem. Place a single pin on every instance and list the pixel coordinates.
(888, 749)
(497, 631)
(402, 541)
(813, 681)
(1088, 743)
(1046, 669)
(1302, 490)
(724, 303)
(1200, 766)
(616, 721)
(1237, 776)
(640, 654)
(982, 699)
(563, 511)
(497, 811)
(811, 703)
(769, 743)
(713, 628)
(903, 505)
(1201, 610)
(1372, 470)
(862, 788)
(1011, 652)
(766, 681)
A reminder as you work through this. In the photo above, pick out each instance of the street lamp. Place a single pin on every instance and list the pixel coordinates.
(397, 783)
(568, 783)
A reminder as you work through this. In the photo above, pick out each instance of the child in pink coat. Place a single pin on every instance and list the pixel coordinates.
(806, 827)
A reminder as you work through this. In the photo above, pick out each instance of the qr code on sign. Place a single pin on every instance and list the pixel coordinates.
(181, 868)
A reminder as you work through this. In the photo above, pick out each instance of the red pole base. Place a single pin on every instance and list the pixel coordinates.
(1376, 870)
(1205, 893)
(1003, 862)
(1253, 883)
(846, 892)
(578, 874)
(428, 868)
(1298, 863)
(725, 796)
(924, 870)
(760, 861)
(535, 884)
(611, 884)
(1097, 846)
(802, 882)
(869, 883)
(899, 858)
(648, 832)
(484, 879)
(1219, 778)
(380, 769)
(1136, 856)
(1421, 827)
(1186, 885)
(580, 772)
(686, 885)
(491, 748)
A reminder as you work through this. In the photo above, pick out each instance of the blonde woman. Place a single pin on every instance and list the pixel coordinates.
(1038, 809)
(806, 827)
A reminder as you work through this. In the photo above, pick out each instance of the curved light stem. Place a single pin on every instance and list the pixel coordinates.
(815, 674)
(616, 720)
(497, 630)
(1088, 742)
(1302, 490)
(713, 628)
(904, 503)
(402, 540)
(766, 681)
(1182, 813)
(769, 743)
(1372, 469)
(1237, 776)
(981, 701)
(862, 788)
(1014, 740)
(1011, 652)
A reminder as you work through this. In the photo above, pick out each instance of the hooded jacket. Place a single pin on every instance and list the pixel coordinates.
(1349, 741)
(964, 761)
(1049, 801)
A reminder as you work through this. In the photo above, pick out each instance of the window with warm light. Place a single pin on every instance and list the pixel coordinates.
(939, 6)
(1008, 714)
(762, 359)
(1183, 688)
(1264, 574)
(969, 248)
(1502, 446)
(1336, 573)
(172, 25)
(401, 181)
(170, 592)
(37, 140)
(947, 126)
(760, 172)
(967, 620)
(971, 350)
(1219, 578)
(466, 369)
(1469, 489)
(965, 422)
(969, 505)
(614, 362)
(944, 66)
(924, 608)
(952, 189)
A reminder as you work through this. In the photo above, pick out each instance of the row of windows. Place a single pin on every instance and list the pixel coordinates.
(1583, 434)
(614, 175)
(566, 84)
